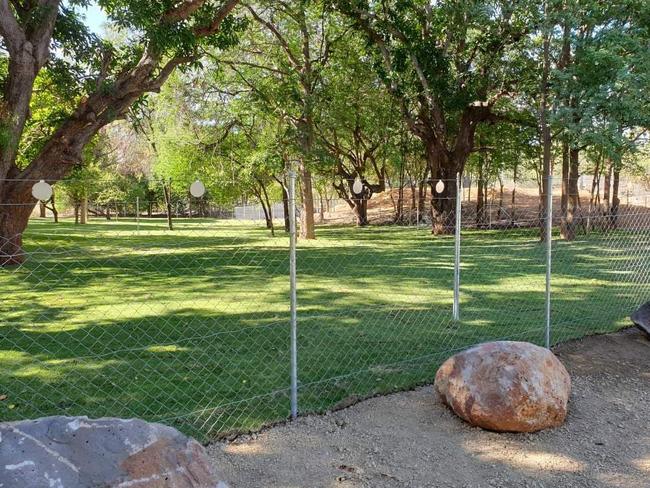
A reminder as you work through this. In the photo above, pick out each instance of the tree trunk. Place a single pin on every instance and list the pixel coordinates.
(53, 209)
(83, 216)
(443, 204)
(480, 195)
(489, 202)
(285, 205)
(267, 217)
(13, 222)
(77, 211)
(443, 209)
(307, 230)
(594, 184)
(613, 213)
(570, 192)
(413, 203)
(167, 190)
(422, 196)
(322, 208)
(513, 208)
(361, 211)
(11, 240)
(608, 184)
(399, 205)
(500, 209)
(565, 232)
(358, 203)
(269, 210)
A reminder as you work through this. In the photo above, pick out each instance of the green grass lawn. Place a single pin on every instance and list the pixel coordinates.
(191, 327)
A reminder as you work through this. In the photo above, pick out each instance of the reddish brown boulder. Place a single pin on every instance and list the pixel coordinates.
(506, 386)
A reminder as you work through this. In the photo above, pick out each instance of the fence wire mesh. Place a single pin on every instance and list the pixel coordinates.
(191, 327)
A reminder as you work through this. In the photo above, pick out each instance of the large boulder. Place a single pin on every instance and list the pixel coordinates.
(641, 318)
(506, 386)
(75, 452)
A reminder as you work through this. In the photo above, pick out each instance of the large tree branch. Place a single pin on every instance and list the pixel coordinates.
(214, 26)
(278, 35)
(306, 78)
(10, 29)
(182, 11)
(433, 105)
(102, 107)
(166, 72)
(336, 147)
(253, 87)
(362, 19)
(28, 52)
(41, 35)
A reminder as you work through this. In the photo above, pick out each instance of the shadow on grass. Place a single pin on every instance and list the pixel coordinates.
(195, 331)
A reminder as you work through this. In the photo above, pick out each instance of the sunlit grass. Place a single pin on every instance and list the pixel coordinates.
(191, 326)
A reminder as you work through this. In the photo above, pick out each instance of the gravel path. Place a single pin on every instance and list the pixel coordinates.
(411, 440)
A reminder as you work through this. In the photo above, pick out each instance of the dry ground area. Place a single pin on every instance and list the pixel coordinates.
(411, 440)
(381, 206)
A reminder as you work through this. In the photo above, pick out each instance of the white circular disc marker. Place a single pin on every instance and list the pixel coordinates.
(440, 186)
(42, 191)
(197, 189)
(357, 187)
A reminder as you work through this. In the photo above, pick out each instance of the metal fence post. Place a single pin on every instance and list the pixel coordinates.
(293, 298)
(456, 309)
(549, 250)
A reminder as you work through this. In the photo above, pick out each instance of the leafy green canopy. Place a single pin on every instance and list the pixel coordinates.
(100, 77)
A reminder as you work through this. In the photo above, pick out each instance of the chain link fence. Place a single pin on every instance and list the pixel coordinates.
(193, 327)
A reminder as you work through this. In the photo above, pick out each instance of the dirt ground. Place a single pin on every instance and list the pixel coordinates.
(411, 440)
(381, 206)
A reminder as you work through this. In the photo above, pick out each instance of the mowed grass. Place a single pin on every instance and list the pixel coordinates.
(191, 327)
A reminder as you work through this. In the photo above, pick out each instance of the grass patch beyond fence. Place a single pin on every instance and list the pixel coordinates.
(191, 327)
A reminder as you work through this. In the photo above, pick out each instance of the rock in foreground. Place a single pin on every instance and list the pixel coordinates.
(641, 318)
(75, 452)
(506, 386)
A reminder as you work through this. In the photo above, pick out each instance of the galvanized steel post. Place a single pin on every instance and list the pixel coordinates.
(293, 297)
(549, 256)
(456, 307)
